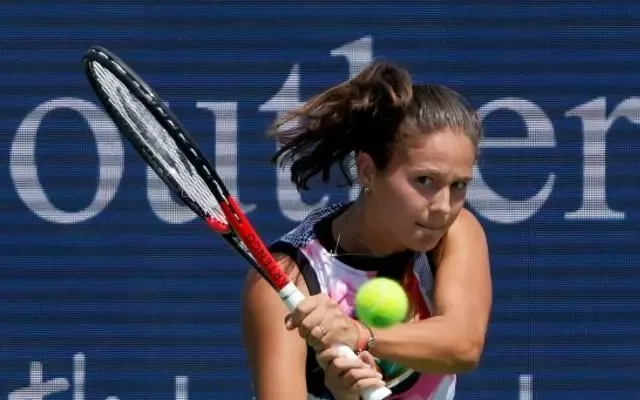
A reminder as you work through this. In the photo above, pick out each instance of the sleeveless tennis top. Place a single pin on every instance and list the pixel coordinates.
(326, 268)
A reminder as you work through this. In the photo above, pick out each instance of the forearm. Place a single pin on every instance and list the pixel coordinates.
(435, 345)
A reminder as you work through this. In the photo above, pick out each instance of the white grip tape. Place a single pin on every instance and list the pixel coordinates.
(292, 296)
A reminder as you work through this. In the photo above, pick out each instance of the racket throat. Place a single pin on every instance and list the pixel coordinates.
(229, 210)
(217, 225)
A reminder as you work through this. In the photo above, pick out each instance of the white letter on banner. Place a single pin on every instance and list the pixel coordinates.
(288, 197)
(595, 126)
(540, 134)
(23, 164)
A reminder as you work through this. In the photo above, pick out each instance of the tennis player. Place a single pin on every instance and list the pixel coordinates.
(415, 147)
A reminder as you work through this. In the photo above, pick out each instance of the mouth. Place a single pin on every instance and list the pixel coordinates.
(433, 229)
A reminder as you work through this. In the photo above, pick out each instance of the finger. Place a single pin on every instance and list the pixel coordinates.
(368, 383)
(334, 330)
(368, 359)
(354, 375)
(288, 322)
(309, 327)
(316, 338)
(326, 357)
(301, 311)
(340, 365)
(339, 328)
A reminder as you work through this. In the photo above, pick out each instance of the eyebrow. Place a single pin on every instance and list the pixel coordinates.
(435, 172)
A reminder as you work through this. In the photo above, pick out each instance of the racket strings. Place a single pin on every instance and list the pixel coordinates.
(162, 148)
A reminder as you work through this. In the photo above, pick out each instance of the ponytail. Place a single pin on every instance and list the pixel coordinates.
(360, 115)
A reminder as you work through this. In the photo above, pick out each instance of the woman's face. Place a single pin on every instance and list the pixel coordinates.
(416, 198)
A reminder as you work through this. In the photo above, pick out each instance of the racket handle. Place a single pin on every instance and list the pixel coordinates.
(379, 393)
(292, 296)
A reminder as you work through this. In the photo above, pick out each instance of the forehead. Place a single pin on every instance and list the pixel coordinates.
(446, 152)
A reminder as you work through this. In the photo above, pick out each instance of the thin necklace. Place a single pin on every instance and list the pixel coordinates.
(357, 237)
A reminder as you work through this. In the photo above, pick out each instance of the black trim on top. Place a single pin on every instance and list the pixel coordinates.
(308, 274)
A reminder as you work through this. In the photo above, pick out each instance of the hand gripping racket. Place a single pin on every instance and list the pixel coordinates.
(165, 145)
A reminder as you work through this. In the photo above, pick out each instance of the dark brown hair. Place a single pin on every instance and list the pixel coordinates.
(369, 114)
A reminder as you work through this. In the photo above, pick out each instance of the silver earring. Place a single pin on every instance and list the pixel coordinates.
(367, 190)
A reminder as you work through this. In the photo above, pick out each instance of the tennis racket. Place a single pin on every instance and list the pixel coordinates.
(165, 145)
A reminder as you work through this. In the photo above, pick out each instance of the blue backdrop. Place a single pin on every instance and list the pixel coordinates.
(109, 288)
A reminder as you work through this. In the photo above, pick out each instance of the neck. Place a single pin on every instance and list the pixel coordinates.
(356, 231)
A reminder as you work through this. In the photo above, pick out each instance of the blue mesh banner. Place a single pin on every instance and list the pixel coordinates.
(110, 289)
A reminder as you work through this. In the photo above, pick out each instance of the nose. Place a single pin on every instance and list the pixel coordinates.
(440, 205)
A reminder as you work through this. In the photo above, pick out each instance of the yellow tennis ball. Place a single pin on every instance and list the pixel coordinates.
(381, 302)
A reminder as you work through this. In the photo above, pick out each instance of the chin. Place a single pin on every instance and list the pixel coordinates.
(425, 245)
(425, 242)
(424, 248)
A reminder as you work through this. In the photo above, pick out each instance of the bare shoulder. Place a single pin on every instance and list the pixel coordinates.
(469, 224)
(465, 232)
(273, 352)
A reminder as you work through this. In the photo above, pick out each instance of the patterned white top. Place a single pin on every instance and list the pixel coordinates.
(340, 275)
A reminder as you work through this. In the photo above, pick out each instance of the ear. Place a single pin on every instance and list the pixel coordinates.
(366, 169)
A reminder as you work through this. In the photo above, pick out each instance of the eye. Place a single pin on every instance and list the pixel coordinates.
(460, 185)
(424, 180)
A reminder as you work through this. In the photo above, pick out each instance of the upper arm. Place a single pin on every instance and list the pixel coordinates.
(277, 357)
(463, 290)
